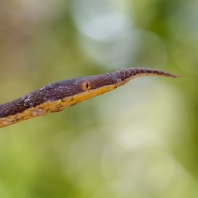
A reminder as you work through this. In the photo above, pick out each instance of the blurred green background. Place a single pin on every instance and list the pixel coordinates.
(138, 141)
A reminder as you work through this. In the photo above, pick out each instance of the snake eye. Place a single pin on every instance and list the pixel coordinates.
(86, 85)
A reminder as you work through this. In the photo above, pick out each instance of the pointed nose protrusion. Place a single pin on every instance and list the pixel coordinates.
(130, 73)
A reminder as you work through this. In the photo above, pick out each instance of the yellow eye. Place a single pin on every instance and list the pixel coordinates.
(86, 85)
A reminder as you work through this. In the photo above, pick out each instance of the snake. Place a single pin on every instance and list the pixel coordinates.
(57, 96)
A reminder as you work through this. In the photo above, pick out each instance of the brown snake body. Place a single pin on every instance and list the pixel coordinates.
(59, 95)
